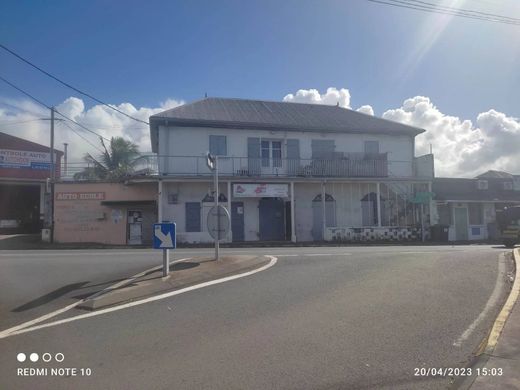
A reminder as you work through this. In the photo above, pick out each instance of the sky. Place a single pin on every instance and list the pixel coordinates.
(455, 77)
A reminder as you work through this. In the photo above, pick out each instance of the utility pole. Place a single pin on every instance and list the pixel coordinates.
(215, 180)
(65, 170)
(53, 177)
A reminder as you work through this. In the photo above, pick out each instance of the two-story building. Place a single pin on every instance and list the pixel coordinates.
(290, 171)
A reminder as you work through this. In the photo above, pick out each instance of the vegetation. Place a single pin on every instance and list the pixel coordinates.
(116, 162)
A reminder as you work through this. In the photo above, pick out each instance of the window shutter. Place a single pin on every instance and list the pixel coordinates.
(293, 156)
(322, 149)
(253, 155)
(218, 145)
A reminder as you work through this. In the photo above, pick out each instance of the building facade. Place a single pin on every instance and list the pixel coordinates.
(290, 172)
(105, 212)
(25, 168)
(468, 207)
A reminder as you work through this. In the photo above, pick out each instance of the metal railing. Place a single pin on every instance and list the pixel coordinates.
(357, 165)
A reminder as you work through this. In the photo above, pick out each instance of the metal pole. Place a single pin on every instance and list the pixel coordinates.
(422, 222)
(229, 208)
(53, 177)
(323, 213)
(65, 168)
(166, 262)
(160, 202)
(216, 207)
(378, 200)
(293, 217)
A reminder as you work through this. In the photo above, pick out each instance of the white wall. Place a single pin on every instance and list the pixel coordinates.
(347, 202)
(182, 141)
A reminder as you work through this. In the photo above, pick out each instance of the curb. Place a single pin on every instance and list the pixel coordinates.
(487, 346)
(498, 326)
(125, 292)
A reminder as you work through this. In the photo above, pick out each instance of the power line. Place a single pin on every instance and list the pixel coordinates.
(3, 103)
(437, 10)
(85, 139)
(70, 86)
(465, 10)
(51, 108)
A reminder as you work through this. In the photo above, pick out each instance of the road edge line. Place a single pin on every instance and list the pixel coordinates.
(502, 317)
(145, 300)
(6, 332)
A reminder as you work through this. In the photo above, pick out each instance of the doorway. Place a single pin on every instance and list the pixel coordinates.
(461, 223)
(135, 227)
(237, 221)
(271, 219)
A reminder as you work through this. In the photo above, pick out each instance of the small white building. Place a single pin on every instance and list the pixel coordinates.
(290, 171)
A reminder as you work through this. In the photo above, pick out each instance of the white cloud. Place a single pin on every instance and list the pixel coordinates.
(460, 147)
(366, 109)
(332, 97)
(21, 118)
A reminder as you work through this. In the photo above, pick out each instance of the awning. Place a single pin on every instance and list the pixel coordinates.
(129, 203)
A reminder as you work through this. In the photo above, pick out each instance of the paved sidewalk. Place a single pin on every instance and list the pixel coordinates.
(505, 357)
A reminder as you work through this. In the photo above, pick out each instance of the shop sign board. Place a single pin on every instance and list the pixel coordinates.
(24, 159)
(80, 196)
(261, 190)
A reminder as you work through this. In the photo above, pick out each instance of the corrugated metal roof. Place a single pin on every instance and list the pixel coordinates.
(466, 189)
(491, 174)
(283, 116)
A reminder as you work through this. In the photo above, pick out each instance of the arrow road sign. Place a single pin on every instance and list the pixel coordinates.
(164, 236)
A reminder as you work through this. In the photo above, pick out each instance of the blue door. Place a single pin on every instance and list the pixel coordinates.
(272, 219)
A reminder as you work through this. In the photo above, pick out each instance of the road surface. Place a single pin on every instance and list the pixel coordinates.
(320, 318)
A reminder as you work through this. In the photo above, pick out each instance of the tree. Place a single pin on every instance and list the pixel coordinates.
(116, 162)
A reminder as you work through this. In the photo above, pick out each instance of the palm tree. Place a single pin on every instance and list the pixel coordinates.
(116, 162)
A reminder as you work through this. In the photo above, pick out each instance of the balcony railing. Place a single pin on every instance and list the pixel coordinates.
(355, 165)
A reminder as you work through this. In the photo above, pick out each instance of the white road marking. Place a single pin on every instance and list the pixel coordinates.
(492, 301)
(143, 301)
(45, 317)
(412, 252)
(286, 255)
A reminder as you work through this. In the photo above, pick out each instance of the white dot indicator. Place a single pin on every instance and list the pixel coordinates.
(34, 357)
(46, 357)
(21, 357)
(59, 357)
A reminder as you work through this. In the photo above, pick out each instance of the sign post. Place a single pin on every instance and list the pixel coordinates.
(219, 223)
(212, 163)
(422, 198)
(164, 238)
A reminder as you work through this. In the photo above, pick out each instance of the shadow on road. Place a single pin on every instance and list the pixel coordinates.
(49, 297)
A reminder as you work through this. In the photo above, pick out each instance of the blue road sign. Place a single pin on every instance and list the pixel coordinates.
(164, 236)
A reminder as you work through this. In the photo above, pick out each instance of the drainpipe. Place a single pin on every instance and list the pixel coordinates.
(323, 214)
(293, 227)
(378, 194)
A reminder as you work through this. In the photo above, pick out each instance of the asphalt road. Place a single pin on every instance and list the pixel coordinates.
(320, 318)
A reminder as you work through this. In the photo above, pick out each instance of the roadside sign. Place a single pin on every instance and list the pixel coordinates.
(422, 197)
(210, 161)
(164, 236)
(219, 222)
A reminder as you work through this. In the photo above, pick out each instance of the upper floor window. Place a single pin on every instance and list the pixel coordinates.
(482, 184)
(271, 152)
(218, 145)
(508, 185)
(371, 147)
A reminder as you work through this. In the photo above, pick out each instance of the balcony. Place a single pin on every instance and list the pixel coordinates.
(348, 165)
